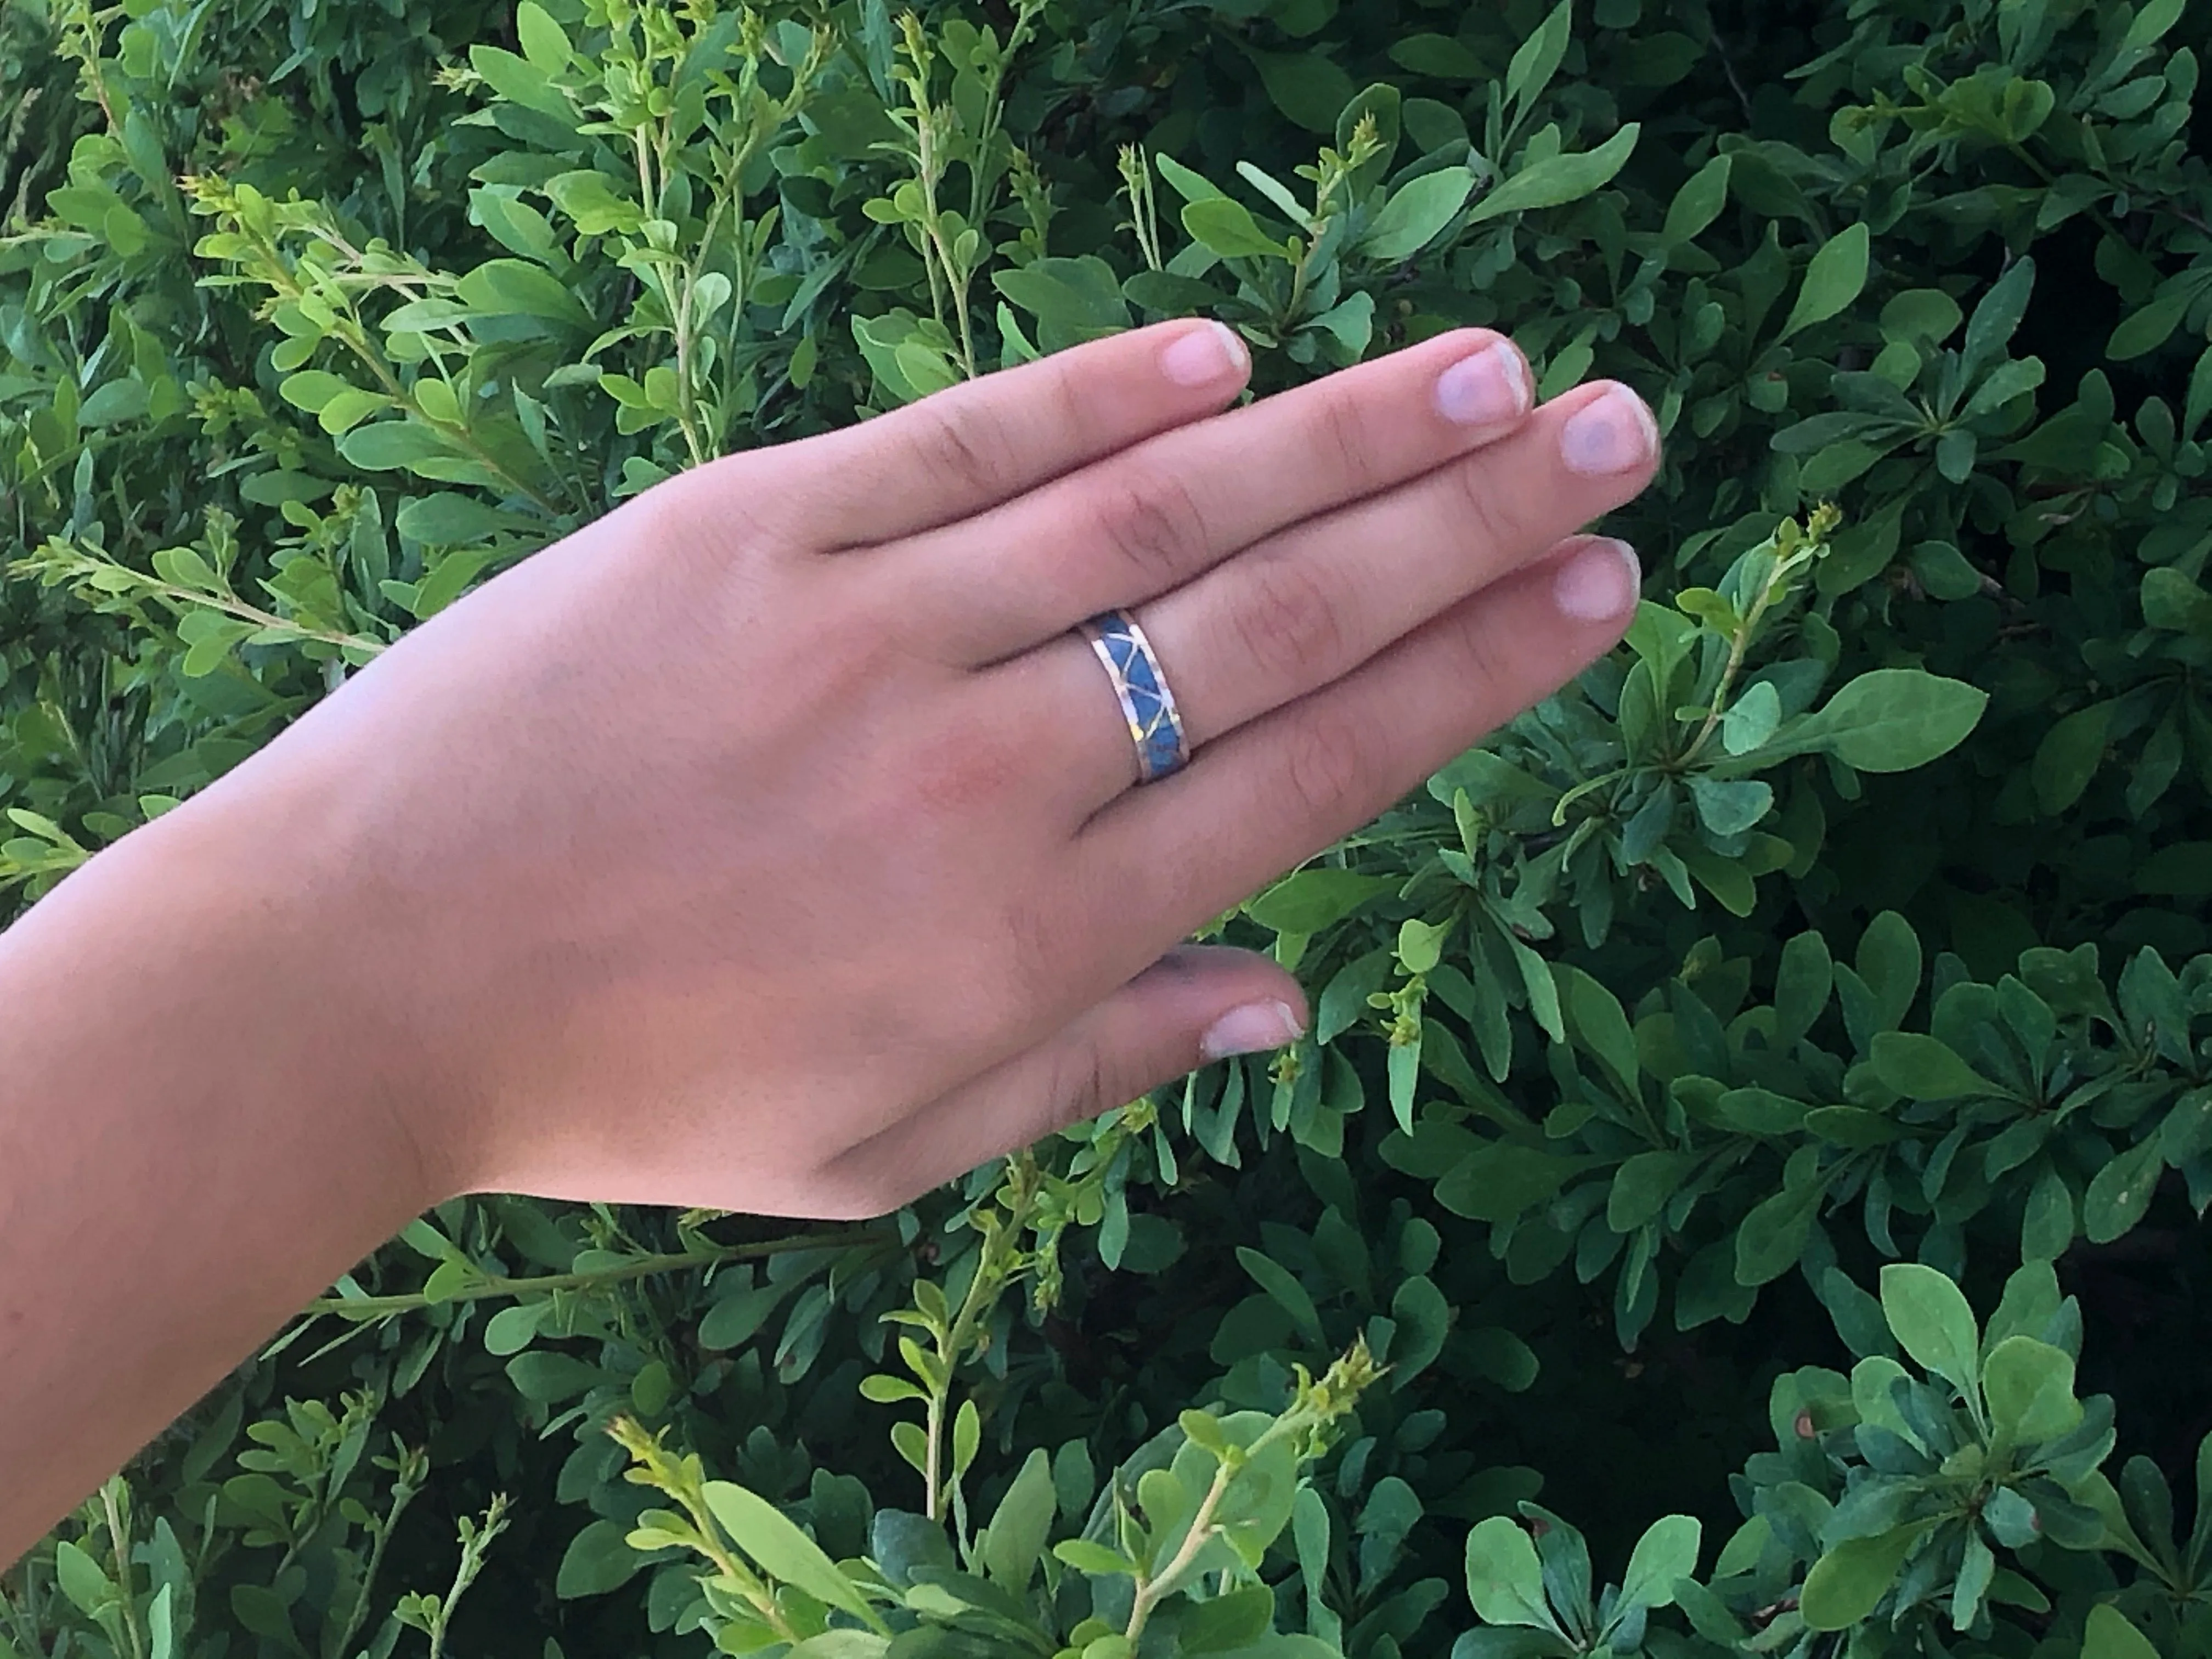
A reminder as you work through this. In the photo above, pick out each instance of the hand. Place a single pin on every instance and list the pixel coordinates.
(771, 844)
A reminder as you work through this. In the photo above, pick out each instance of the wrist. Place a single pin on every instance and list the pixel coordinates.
(240, 913)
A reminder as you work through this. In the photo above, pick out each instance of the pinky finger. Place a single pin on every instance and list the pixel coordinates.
(1273, 793)
(1197, 1004)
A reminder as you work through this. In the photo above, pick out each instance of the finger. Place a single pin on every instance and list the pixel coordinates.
(1296, 781)
(957, 451)
(1313, 602)
(1196, 1004)
(1156, 515)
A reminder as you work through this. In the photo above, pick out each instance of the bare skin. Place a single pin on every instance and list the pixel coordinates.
(770, 845)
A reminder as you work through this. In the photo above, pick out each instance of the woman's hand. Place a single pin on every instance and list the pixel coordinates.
(772, 845)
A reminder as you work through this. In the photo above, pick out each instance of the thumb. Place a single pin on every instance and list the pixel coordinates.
(1196, 1004)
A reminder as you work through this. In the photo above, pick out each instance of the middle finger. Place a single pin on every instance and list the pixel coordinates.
(1165, 509)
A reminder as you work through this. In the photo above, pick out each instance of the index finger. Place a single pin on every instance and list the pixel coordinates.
(972, 445)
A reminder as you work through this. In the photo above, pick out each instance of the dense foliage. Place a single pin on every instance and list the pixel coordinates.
(1758, 1103)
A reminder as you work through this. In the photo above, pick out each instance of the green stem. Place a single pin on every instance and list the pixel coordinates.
(994, 1268)
(1150, 1592)
(122, 1573)
(278, 276)
(402, 1494)
(1738, 646)
(231, 606)
(376, 1307)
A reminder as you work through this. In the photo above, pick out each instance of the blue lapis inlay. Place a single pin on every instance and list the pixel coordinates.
(1144, 698)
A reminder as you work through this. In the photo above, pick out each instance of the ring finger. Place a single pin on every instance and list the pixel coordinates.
(1307, 605)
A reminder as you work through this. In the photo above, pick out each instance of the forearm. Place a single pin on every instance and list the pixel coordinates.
(192, 1144)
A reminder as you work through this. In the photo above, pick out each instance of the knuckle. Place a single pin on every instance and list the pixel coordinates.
(854, 1187)
(969, 768)
(1152, 523)
(965, 441)
(1330, 765)
(1343, 433)
(1083, 1084)
(1474, 649)
(714, 512)
(1033, 958)
(1483, 514)
(1286, 619)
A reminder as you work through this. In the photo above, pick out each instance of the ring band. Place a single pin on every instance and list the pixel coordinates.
(1146, 704)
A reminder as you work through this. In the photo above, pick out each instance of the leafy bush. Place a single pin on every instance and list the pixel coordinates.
(1821, 969)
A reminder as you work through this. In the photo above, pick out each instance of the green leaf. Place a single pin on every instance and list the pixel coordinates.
(1924, 1068)
(1228, 1624)
(1075, 299)
(1750, 719)
(514, 223)
(1665, 1555)
(542, 39)
(2069, 756)
(967, 1436)
(599, 1558)
(736, 1318)
(516, 288)
(1559, 179)
(2108, 1635)
(447, 519)
(2030, 1388)
(1890, 720)
(1730, 809)
(1698, 204)
(2171, 600)
(547, 1377)
(1502, 1180)
(1505, 1579)
(1311, 900)
(2047, 1227)
(1306, 86)
(1929, 1316)
(1803, 986)
(1539, 57)
(114, 403)
(88, 1587)
(520, 82)
(1423, 1318)
(2149, 327)
(1021, 1523)
(1191, 186)
(1415, 213)
(1227, 228)
(1595, 1021)
(2120, 1195)
(1773, 1236)
(1848, 1583)
(389, 446)
(1095, 1559)
(1997, 317)
(1643, 1185)
(1421, 944)
(311, 388)
(774, 1542)
(511, 1330)
(1281, 1284)
(1832, 281)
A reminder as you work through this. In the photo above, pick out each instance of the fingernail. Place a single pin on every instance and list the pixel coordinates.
(1599, 583)
(1611, 434)
(1252, 1030)
(1490, 388)
(1205, 356)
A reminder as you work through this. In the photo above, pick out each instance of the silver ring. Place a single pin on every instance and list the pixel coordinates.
(1155, 726)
